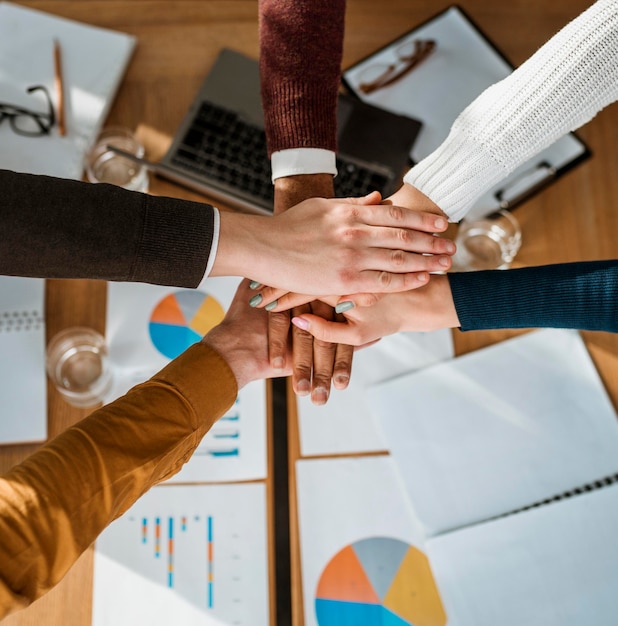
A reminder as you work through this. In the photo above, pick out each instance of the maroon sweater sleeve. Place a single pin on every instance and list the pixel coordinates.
(301, 46)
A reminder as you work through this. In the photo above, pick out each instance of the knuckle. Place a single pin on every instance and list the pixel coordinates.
(347, 274)
(396, 212)
(398, 258)
(350, 234)
(385, 279)
(404, 235)
(279, 322)
(369, 299)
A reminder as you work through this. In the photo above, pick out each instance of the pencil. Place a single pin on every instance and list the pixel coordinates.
(59, 88)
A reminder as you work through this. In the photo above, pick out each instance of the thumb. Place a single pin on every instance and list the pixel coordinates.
(374, 197)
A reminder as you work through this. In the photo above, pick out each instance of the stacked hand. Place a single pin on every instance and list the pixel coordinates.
(358, 247)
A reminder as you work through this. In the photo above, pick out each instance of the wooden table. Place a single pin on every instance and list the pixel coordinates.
(178, 40)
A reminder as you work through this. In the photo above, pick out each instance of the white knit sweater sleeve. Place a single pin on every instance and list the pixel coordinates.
(558, 89)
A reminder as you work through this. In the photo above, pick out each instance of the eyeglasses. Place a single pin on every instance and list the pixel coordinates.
(409, 55)
(29, 123)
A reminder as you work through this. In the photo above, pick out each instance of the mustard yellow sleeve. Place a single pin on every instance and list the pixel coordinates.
(55, 503)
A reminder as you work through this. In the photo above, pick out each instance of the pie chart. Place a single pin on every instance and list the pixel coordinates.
(379, 581)
(181, 319)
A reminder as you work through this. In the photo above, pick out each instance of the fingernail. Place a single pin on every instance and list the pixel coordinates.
(303, 387)
(423, 277)
(271, 305)
(301, 323)
(440, 223)
(444, 261)
(341, 381)
(450, 247)
(255, 300)
(342, 307)
(254, 284)
(278, 363)
(319, 395)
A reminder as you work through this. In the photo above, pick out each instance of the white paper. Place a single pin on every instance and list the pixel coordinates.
(556, 565)
(460, 68)
(23, 383)
(217, 571)
(345, 424)
(235, 448)
(355, 508)
(93, 63)
(499, 429)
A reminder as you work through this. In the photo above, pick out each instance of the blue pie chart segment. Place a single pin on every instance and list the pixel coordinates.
(335, 612)
(172, 340)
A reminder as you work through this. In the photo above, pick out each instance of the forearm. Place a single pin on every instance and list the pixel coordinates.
(56, 228)
(560, 88)
(582, 295)
(54, 505)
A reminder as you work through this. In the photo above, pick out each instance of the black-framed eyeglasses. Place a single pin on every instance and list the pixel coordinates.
(26, 122)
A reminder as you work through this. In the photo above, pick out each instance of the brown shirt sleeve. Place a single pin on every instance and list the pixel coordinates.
(56, 503)
(58, 228)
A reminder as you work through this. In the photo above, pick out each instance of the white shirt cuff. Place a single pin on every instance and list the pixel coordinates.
(215, 242)
(296, 161)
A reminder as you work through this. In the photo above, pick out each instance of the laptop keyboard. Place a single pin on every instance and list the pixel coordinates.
(223, 146)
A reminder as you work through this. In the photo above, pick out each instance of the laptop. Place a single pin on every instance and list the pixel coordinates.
(220, 147)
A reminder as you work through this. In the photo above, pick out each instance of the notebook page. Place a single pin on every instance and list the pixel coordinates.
(499, 429)
(551, 566)
(23, 386)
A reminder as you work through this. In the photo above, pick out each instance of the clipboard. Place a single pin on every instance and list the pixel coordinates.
(462, 65)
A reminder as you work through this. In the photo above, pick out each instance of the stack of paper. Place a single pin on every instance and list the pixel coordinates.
(93, 62)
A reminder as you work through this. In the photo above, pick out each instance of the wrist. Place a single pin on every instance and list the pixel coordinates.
(430, 307)
(291, 190)
(411, 198)
(240, 357)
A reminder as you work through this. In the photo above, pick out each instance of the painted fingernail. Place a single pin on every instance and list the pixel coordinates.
(440, 223)
(342, 307)
(271, 305)
(319, 395)
(303, 387)
(278, 363)
(254, 284)
(444, 261)
(255, 300)
(301, 323)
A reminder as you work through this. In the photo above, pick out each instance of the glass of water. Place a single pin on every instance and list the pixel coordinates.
(78, 365)
(487, 243)
(106, 166)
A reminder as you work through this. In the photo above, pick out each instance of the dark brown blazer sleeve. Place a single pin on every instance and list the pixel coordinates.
(57, 228)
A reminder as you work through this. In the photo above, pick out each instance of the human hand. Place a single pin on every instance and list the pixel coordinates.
(315, 363)
(337, 246)
(410, 197)
(372, 317)
(242, 340)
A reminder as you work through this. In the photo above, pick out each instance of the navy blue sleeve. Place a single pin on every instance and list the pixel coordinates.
(582, 296)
